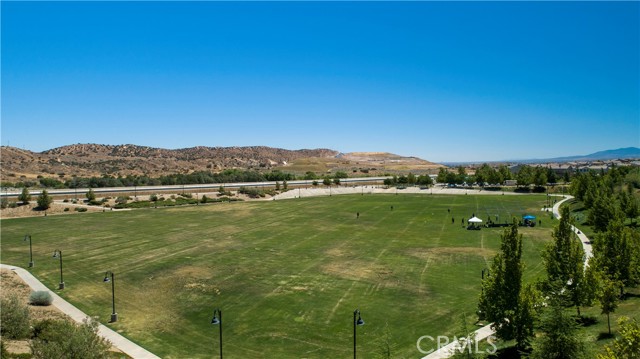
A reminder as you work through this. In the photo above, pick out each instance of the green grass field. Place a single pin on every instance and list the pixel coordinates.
(286, 274)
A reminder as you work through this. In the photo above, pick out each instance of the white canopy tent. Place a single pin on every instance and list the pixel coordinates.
(475, 220)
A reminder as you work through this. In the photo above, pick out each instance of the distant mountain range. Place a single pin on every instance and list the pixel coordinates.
(617, 154)
(620, 153)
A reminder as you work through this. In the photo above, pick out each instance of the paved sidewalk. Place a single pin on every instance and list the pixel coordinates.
(125, 345)
(450, 349)
(586, 243)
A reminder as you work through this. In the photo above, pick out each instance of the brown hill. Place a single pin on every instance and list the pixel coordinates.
(86, 160)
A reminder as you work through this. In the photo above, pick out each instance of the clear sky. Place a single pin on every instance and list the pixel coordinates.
(444, 81)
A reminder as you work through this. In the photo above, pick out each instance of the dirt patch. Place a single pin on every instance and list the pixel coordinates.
(446, 252)
(29, 210)
(357, 270)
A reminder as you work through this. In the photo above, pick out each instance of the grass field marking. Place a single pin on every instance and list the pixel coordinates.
(353, 283)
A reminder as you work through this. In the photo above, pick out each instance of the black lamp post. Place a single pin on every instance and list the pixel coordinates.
(217, 320)
(58, 254)
(114, 315)
(485, 270)
(28, 237)
(356, 322)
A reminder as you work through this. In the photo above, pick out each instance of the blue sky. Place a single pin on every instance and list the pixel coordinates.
(444, 81)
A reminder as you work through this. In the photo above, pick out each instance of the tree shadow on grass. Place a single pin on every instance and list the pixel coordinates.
(507, 353)
(586, 321)
(603, 336)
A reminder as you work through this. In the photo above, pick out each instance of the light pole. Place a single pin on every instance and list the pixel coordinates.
(217, 320)
(356, 322)
(485, 270)
(114, 315)
(58, 254)
(28, 236)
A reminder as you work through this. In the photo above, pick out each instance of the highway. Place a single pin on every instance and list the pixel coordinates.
(188, 188)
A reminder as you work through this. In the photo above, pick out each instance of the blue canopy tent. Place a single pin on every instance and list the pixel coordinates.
(529, 220)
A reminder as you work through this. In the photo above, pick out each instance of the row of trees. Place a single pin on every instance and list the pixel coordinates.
(485, 174)
(517, 311)
(608, 196)
(410, 179)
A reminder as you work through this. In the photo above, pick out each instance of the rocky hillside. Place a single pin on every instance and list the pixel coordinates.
(96, 160)
(86, 160)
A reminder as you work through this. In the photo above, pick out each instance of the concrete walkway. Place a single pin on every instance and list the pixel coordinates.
(125, 345)
(586, 243)
(487, 331)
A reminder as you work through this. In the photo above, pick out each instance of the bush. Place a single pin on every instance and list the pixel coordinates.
(14, 317)
(4, 202)
(80, 209)
(65, 339)
(66, 209)
(40, 297)
(65, 200)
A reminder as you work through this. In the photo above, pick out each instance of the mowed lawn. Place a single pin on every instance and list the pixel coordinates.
(287, 275)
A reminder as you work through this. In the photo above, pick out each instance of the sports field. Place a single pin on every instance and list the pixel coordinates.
(287, 275)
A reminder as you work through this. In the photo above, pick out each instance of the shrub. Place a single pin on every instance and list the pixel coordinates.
(153, 198)
(80, 209)
(14, 317)
(65, 339)
(4, 202)
(40, 297)
(66, 200)
(66, 209)
(122, 199)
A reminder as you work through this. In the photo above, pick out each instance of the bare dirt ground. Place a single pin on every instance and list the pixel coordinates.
(29, 210)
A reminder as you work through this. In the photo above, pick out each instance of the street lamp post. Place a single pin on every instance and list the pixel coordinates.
(114, 315)
(217, 320)
(58, 254)
(28, 236)
(356, 322)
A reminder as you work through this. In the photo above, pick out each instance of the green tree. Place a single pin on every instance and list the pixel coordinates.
(411, 178)
(14, 317)
(424, 180)
(65, 339)
(336, 181)
(326, 181)
(505, 173)
(285, 185)
(609, 298)
(25, 196)
(500, 298)
(442, 175)
(524, 177)
(526, 317)
(628, 345)
(540, 176)
(602, 212)
(44, 200)
(563, 259)
(560, 339)
(615, 253)
(90, 195)
(277, 186)
(628, 205)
